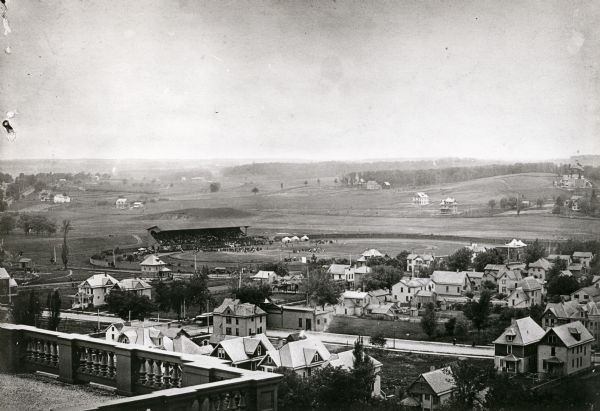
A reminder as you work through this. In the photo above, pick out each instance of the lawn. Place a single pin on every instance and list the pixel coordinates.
(389, 329)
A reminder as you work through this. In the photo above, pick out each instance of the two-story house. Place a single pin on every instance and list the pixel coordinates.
(539, 268)
(353, 303)
(416, 262)
(507, 281)
(405, 289)
(491, 272)
(586, 294)
(570, 311)
(583, 257)
(154, 267)
(338, 272)
(475, 279)
(515, 350)
(233, 318)
(450, 283)
(565, 350)
(136, 286)
(529, 292)
(93, 291)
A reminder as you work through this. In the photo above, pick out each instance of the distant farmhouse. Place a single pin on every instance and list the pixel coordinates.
(574, 179)
(121, 203)
(421, 198)
(373, 185)
(448, 206)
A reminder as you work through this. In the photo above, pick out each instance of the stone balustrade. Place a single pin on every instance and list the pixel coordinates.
(154, 379)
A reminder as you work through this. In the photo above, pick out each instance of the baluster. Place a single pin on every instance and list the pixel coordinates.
(167, 374)
(142, 371)
(81, 365)
(47, 355)
(111, 364)
(158, 374)
(215, 403)
(89, 361)
(234, 400)
(243, 404)
(51, 353)
(229, 401)
(150, 372)
(29, 350)
(97, 362)
(55, 354)
(177, 375)
(103, 363)
(36, 347)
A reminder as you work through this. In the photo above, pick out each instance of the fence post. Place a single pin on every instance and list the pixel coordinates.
(12, 344)
(67, 358)
(125, 370)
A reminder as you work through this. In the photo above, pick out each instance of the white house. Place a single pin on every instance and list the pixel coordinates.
(353, 303)
(539, 268)
(448, 206)
(528, 292)
(414, 262)
(338, 272)
(62, 198)
(265, 277)
(373, 185)
(93, 291)
(154, 267)
(135, 285)
(421, 198)
(404, 290)
(121, 203)
(583, 257)
(450, 283)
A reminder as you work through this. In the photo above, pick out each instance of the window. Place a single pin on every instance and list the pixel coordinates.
(509, 349)
(237, 331)
(458, 290)
(237, 321)
(325, 320)
(221, 353)
(259, 350)
(401, 289)
(447, 288)
(249, 331)
(553, 351)
(318, 322)
(299, 322)
(228, 320)
(228, 331)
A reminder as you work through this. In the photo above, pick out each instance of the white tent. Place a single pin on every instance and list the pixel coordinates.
(286, 240)
(304, 238)
(515, 244)
(372, 253)
(295, 239)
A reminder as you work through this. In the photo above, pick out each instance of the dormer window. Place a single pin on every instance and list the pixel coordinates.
(259, 350)
(316, 357)
(221, 353)
(575, 333)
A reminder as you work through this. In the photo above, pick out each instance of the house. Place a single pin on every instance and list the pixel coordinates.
(289, 282)
(267, 277)
(135, 285)
(491, 272)
(244, 352)
(515, 350)
(93, 291)
(421, 198)
(25, 263)
(121, 203)
(404, 290)
(575, 268)
(565, 349)
(8, 286)
(381, 311)
(299, 317)
(154, 267)
(380, 296)
(569, 311)
(414, 262)
(338, 272)
(356, 275)
(386, 185)
(528, 292)
(508, 280)
(233, 318)
(586, 294)
(371, 253)
(450, 283)
(448, 206)
(353, 303)
(373, 185)
(583, 257)
(422, 298)
(476, 249)
(61, 199)
(432, 390)
(475, 280)
(539, 268)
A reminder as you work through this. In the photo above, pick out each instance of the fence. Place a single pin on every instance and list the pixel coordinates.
(155, 379)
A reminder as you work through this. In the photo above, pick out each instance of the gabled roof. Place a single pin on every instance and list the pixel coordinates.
(264, 275)
(338, 269)
(575, 267)
(355, 295)
(572, 334)
(511, 275)
(99, 280)
(592, 291)
(566, 309)
(518, 292)
(495, 267)
(541, 263)
(448, 277)
(583, 254)
(529, 284)
(475, 274)
(3, 273)
(242, 348)
(234, 307)
(153, 260)
(131, 284)
(552, 257)
(378, 293)
(525, 331)
(424, 257)
(380, 308)
(440, 380)
(414, 282)
(345, 359)
(300, 353)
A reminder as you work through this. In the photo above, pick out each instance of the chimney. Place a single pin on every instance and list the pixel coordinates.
(513, 321)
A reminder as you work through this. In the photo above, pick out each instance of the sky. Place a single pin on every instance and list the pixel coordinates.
(319, 80)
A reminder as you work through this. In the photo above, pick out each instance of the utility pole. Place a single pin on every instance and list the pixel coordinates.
(99, 320)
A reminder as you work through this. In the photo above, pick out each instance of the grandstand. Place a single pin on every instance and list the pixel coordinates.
(205, 239)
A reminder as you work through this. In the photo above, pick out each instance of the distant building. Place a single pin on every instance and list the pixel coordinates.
(492, 271)
(93, 291)
(386, 185)
(233, 318)
(121, 203)
(404, 290)
(338, 272)
(571, 311)
(8, 286)
(508, 281)
(61, 198)
(564, 257)
(450, 283)
(587, 294)
(244, 352)
(528, 292)
(449, 206)
(539, 268)
(414, 262)
(299, 317)
(154, 267)
(268, 277)
(583, 257)
(373, 185)
(353, 303)
(135, 285)
(421, 198)
(475, 280)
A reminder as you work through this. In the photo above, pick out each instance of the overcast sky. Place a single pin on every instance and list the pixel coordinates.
(321, 80)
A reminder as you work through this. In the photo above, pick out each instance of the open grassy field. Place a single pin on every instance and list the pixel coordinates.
(297, 208)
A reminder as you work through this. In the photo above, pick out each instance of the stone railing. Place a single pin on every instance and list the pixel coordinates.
(155, 379)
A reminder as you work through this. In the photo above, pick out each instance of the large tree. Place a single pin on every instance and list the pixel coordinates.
(491, 256)
(429, 320)
(26, 308)
(253, 293)
(53, 304)
(127, 304)
(460, 260)
(66, 227)
(470, 380)
(534, 251)
(479, 311)
(8, 223)
(321, 289)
